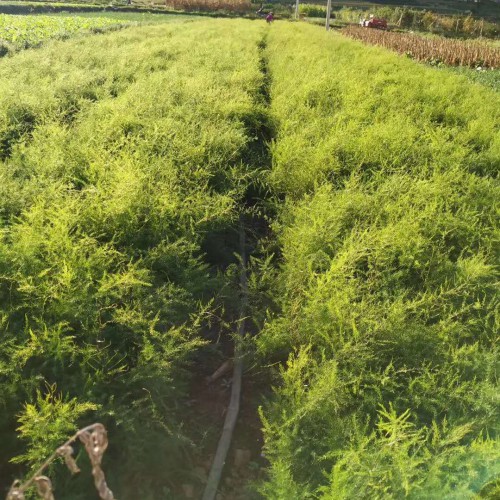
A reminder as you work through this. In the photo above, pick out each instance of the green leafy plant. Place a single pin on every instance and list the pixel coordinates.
(46, 423)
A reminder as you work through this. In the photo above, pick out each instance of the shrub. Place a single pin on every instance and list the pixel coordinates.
(309, 10)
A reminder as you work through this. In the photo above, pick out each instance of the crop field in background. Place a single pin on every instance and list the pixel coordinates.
(140, 17)
(158, 6)
(463, 25)
(368, 185)
(434, 50)
(210, 5)
(30, 31)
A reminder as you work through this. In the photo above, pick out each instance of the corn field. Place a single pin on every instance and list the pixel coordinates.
(435, 50)
(210, 5)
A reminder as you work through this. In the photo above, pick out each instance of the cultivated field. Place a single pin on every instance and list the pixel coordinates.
(30, 31)
(121, 158)
(367, 186)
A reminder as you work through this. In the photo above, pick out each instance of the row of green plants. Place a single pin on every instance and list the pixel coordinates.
(22, 32)
(380, 281)
(123, 163)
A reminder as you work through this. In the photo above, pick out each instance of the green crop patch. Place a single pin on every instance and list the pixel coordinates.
(30, 31)
(120, 155)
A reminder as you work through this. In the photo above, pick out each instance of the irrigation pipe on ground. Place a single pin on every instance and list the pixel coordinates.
(234, 403)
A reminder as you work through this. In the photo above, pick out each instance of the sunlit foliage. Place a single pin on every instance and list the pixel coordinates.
(386, 303)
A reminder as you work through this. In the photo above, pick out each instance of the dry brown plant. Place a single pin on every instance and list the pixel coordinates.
(428, 49)
(95, 440)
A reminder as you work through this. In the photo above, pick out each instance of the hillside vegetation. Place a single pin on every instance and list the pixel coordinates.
(369, 187)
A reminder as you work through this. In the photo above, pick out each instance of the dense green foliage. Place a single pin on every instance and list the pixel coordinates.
(386, 299)
(313, 10)
(488, 78)
(125, 163)
(121, 155)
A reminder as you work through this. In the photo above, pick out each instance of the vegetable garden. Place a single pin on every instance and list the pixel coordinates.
(368, 185)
